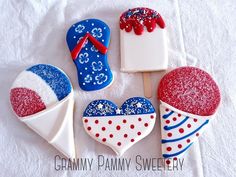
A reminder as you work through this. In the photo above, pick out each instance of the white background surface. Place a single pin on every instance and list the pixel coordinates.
(200, 33)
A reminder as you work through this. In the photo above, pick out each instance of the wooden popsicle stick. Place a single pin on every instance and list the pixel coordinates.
(147, 85)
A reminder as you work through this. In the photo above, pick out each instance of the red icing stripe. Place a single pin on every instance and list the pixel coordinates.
(26, 102)
(137, 18)
(75, 52)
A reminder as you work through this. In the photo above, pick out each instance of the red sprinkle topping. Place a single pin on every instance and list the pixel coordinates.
(137, 18)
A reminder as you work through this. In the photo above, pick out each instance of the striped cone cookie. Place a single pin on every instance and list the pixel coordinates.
(189, 98)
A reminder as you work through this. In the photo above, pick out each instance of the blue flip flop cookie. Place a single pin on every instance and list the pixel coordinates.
(88, 41)
(119, 128)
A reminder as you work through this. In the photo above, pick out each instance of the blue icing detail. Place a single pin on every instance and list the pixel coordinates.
(177, 139)
(132, 106)
(177, 153)
(165, 116)
(177, 125)
(93, 70)
(54, 77)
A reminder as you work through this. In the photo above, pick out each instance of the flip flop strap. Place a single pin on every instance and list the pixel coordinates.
(75, 52)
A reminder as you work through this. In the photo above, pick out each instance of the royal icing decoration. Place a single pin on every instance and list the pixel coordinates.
(88, 42)
(189, 99)
(42, 97)
(138, 18)
(143, 41)
(119, 128)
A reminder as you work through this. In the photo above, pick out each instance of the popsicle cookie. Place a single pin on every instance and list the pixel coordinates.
(88, 41)
(189, 98)
(42, 98)
(143, 43)
(119, 128)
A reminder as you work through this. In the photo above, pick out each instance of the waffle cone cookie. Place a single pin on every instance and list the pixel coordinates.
(42, 97)
(189, 98)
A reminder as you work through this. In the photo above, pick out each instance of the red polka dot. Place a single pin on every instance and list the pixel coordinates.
(132, 140)
(111, 136)
(139, 119)
(89, 128)
(96, 121)
(175, 158)
(152, 116)
(117, 127)
(139, 133)
(85, 120)
(197, 134)
(167, 121)
(109, 122)
(195, 120)
(167, 109)
(169, 134)
(132, 126)
(104, 139)
(103, 128)
(125, 135)
(181, 130)
(119, 143)
(180, 146)
(97, 135)
(179, 115)
(168, 148)
(168, 162)
(188, 140)
(146, 124)
(124, 121)
(189, 125)
(174, 119)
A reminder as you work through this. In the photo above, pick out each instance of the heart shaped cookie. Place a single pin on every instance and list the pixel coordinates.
(119, 128)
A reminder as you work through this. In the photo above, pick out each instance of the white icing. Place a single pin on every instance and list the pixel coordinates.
(185, 113)
(146, 52)
(28, 79)
(55, 124)
(118, 135)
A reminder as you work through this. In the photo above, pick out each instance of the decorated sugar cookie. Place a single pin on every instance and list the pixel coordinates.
(42, 98)
(119, 128)
(143, 43)
(189, 98)
(88, 41)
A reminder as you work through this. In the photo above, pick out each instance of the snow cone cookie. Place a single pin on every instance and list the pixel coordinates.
(189, 98)
(88, 41)
(42, 97)
(119, 128)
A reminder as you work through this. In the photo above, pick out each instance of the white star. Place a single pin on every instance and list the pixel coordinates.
(139, 105)
(100, 106)
(118, 111)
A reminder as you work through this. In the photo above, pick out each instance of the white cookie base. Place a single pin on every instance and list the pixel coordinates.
(55, 124)
(144, 53)
(118, 135)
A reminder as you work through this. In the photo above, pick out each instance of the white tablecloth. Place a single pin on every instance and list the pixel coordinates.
(200, 33)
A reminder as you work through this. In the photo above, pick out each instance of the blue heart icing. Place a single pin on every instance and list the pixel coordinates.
(132, 106)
